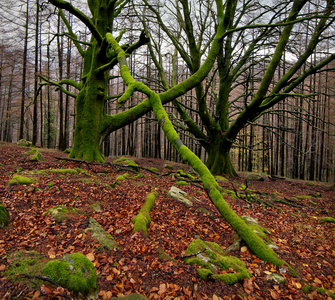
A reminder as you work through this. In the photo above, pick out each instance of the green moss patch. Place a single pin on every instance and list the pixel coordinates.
(221, 179)
(214, 263)
(34, 155)
(24, 264)
(122, 177)
(24, 143)
(61, 213)
(63, 171)
(74, 272)
(130, 163)
(19, 179)
(99, 233)
(4, 216)
(181, 182)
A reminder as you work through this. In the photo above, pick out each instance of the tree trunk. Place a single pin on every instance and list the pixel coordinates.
(90, 106)
(218, 161)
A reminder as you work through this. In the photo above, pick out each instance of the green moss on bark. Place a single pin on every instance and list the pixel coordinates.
(142, 219)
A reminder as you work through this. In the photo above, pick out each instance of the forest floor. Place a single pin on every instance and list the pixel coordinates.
(303, 239)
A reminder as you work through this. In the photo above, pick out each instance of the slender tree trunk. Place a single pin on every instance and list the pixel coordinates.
(24, 73)
(35, 107)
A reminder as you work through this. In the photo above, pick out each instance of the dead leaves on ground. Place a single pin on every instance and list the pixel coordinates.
(302, 240)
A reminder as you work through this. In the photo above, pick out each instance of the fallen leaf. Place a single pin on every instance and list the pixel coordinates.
(162, 289)
(90, 256)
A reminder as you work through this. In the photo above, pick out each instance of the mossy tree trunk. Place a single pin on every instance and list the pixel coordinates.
(254, 242)
(219, 161)
(90, 108)
(92, 123)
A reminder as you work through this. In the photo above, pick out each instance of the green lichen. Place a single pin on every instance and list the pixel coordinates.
(19, 179)
(211, 257)
(74, 272)
(4, 216)
(142, 219)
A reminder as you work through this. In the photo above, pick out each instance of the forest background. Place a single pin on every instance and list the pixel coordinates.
(294, 138)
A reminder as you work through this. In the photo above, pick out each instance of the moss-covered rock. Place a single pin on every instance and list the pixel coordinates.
(99, 233)
(4, 216)
(19, 179)
(24, 143)
(61, 213)
(74, 272)
(130, 163)
(276, 277)
(255, 177)
(179, 195)
(215, 264)
(34, 155)
(167, 166)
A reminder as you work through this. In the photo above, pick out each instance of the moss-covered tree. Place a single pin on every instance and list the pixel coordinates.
(92, 122)
(93, 125)
(254, 242)
(252, 39)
